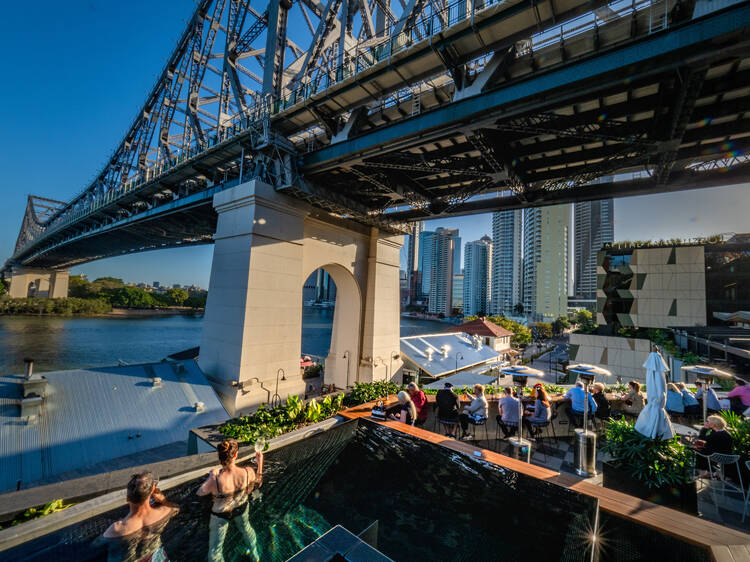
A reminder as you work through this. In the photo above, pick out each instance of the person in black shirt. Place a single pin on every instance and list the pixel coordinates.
(448, 406)
(602, 404)
(713, 438)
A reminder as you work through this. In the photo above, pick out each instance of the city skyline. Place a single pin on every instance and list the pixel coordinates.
(88, 125)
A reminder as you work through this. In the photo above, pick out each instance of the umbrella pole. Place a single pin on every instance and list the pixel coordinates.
(585, 406)
(520, 414)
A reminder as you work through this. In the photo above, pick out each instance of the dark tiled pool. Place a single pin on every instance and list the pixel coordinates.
(430, 503)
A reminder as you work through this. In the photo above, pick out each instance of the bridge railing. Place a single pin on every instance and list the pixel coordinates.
(364, 55)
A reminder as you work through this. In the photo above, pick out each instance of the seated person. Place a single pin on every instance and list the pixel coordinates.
(476, 411)
(633, 399)
(577, 397)
(405, 410)
(713, 438)
(420, 403)
(448, 406)
(542, 411)
(138, 535)
(712, 404)
(742, 393)
(689, 401)
(602, 404)
(507, 407)
(675, 405)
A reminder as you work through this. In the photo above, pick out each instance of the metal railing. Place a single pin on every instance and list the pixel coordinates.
(364, 55)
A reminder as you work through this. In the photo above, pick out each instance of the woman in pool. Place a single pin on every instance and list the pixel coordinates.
(230, 487)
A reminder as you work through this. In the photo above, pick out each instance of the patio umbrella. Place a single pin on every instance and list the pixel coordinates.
(520, 374)
(706, 374)
(586, 449)
(653, 420)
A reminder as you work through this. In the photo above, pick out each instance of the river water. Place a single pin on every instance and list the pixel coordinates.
(69, 343)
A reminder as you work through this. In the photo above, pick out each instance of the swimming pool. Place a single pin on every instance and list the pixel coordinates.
(430, 503)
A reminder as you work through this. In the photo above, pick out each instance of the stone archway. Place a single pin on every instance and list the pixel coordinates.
(341, 365)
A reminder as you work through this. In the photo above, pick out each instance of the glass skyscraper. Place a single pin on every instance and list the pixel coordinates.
(506, 262)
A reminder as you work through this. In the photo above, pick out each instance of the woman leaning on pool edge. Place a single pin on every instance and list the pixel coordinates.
(230, 486)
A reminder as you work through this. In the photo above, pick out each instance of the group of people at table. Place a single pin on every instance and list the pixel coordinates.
(413, 408)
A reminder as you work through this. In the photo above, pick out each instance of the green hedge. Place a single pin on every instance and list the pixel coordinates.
(62, 307)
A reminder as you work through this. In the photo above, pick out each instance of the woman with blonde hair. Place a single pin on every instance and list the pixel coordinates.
(407, 411)
(230, 486)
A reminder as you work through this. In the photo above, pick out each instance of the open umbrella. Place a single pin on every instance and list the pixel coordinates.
(706, 374)
(521, 374)
(653, 420)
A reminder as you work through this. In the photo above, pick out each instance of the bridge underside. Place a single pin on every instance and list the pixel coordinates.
(654, 110)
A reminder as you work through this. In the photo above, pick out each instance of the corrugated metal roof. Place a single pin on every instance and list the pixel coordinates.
(94, 415)
(415, 349)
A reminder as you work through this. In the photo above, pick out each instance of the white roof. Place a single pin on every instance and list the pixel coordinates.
(415, 349)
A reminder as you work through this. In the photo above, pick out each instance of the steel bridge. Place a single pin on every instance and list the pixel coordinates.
(385, 114)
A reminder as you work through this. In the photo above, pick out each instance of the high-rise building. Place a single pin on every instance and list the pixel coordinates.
(506, 261)
(424, 268)
(458, 293)
(546, 235)
(412, 262)
(594, 226)
(440, 299)
(477, 272)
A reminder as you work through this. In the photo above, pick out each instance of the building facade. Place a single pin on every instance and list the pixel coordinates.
(424, 268)
(458, 294)
(546, 237)
(477, 277)
(506, 262)
(594, 226)
(412, 262)
(440, 297)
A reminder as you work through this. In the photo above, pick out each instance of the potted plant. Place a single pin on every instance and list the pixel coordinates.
(657, 470)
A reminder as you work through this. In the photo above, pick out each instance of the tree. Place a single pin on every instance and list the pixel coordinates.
(78, 286)
(518, 309)
(177, 296)
(560, 325)
(3, 288)
(132, 297)
(584, 317)
(543, 330)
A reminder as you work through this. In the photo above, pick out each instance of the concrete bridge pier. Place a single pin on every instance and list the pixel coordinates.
(266, 245)
(44, 283)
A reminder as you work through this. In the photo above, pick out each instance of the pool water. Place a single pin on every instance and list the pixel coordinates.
(430, 504)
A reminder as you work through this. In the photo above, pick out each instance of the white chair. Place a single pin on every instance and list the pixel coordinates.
(717, 467)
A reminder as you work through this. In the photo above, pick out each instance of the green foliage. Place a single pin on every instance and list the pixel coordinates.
(37, 512)
(177, 297)
(3, 288)
(655, 462)
(369, 391)
(133, 297)
(61, 307)
(739, 429)
(78, 287)
(560, 325)
(521, 334)
(312, 371)
(543, 330)
(196, 300)
(268, 422)
(584, 316)
(726, 384)
(618, 388)
(666, 342)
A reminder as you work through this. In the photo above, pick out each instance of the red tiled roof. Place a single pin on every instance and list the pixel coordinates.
(481, 327)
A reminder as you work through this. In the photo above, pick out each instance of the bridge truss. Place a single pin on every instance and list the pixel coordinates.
(384, 113)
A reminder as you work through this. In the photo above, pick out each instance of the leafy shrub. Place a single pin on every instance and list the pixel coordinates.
(64, 306)
(655, 462)
(268, 422)
(739, 428)
(312, 371)
(37, 512)
(369, 391)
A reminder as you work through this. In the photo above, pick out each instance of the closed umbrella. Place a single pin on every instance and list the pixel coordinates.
(653, 420)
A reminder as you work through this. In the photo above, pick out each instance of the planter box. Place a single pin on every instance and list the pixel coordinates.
(683, 498)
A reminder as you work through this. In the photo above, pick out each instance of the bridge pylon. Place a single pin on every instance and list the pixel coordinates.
(266, 245)
(43, 283)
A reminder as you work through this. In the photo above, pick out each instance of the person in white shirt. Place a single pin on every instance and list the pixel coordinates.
(477, 410)
(508, 416)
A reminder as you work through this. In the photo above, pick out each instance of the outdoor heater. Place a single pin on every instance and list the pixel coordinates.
(585, 450)
(520, 374)
(706, 375)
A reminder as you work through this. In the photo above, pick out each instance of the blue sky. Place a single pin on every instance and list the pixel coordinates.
(77, 71)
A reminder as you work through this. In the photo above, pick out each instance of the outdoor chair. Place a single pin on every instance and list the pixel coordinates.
(446, 425)
(538, 434)
(499, 428)
(747, 495)
(717, 465)
(472, 429)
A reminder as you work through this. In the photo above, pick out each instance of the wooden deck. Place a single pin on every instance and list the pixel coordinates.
(724, 544)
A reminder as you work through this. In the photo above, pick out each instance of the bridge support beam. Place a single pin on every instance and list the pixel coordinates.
(43, 283)
(266, 245)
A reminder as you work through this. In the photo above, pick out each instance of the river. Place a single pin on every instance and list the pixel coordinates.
(68, 343)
